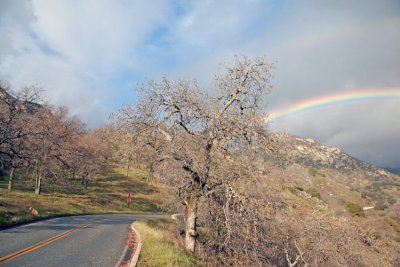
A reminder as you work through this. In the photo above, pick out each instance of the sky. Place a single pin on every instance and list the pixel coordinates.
(89, 55)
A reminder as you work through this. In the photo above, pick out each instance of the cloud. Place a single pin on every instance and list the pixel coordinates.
(15, 19)
(75, 49)
(89, 56)
(368, 131)
(97, 36)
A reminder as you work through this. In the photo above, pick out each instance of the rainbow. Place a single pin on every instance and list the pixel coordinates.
(335, 99)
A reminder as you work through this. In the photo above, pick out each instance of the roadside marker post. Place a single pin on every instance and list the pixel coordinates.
(129, 198)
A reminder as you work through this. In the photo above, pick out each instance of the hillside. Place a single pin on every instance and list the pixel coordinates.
(310, 169)
(106, 193)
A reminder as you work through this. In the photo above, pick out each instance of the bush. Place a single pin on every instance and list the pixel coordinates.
(380, 205)
(392, 200)
(366, 194)
(355, 209)
(313, 192)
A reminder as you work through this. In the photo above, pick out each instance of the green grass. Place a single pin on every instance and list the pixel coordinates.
(160, 247)
(106, 193)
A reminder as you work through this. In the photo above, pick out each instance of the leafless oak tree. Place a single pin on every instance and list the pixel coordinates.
(16, 112)
(197, 139)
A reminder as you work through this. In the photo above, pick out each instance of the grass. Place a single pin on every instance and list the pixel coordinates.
(160, 247)
(106, 193)
(394, 223)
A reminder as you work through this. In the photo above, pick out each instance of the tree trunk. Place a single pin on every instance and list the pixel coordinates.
(36, 180)
(84, 174)
(87, 180)
(35, 174)
(10, 179)
(73, 173)
(190, 223)
(150, 178)
(38, 184)
(127, 170)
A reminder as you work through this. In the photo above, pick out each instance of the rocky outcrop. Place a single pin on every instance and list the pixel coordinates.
(309, 152)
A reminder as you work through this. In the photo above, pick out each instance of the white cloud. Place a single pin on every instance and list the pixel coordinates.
(73, 48)
(94, 34)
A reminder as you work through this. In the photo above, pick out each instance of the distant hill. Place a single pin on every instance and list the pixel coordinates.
(311, 153)
(307, 167)
(373, 183)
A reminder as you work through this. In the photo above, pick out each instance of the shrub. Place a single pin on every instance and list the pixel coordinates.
(380, 205)
(313, 192)
(366, 194)
(355, 209)
(375, 187)
(392, 200)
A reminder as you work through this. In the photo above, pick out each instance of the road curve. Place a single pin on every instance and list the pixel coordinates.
(89, 240)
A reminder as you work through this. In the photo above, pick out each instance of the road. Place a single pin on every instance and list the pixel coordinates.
(90, 240)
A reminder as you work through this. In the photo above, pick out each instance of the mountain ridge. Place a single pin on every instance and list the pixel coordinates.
(338, 177)
(312, 153)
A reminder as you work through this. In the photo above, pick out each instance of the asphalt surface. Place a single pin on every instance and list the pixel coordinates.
(90, 240)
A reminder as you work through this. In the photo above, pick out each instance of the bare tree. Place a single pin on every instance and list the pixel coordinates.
(34, 135)
(16, 111)
(197, 138)
(54, 139)
(89, 154)
(124, 148)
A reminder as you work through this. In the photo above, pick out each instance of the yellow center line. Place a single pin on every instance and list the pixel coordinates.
(43, 243)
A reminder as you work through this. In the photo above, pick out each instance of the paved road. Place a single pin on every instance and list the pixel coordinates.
(91, 240)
